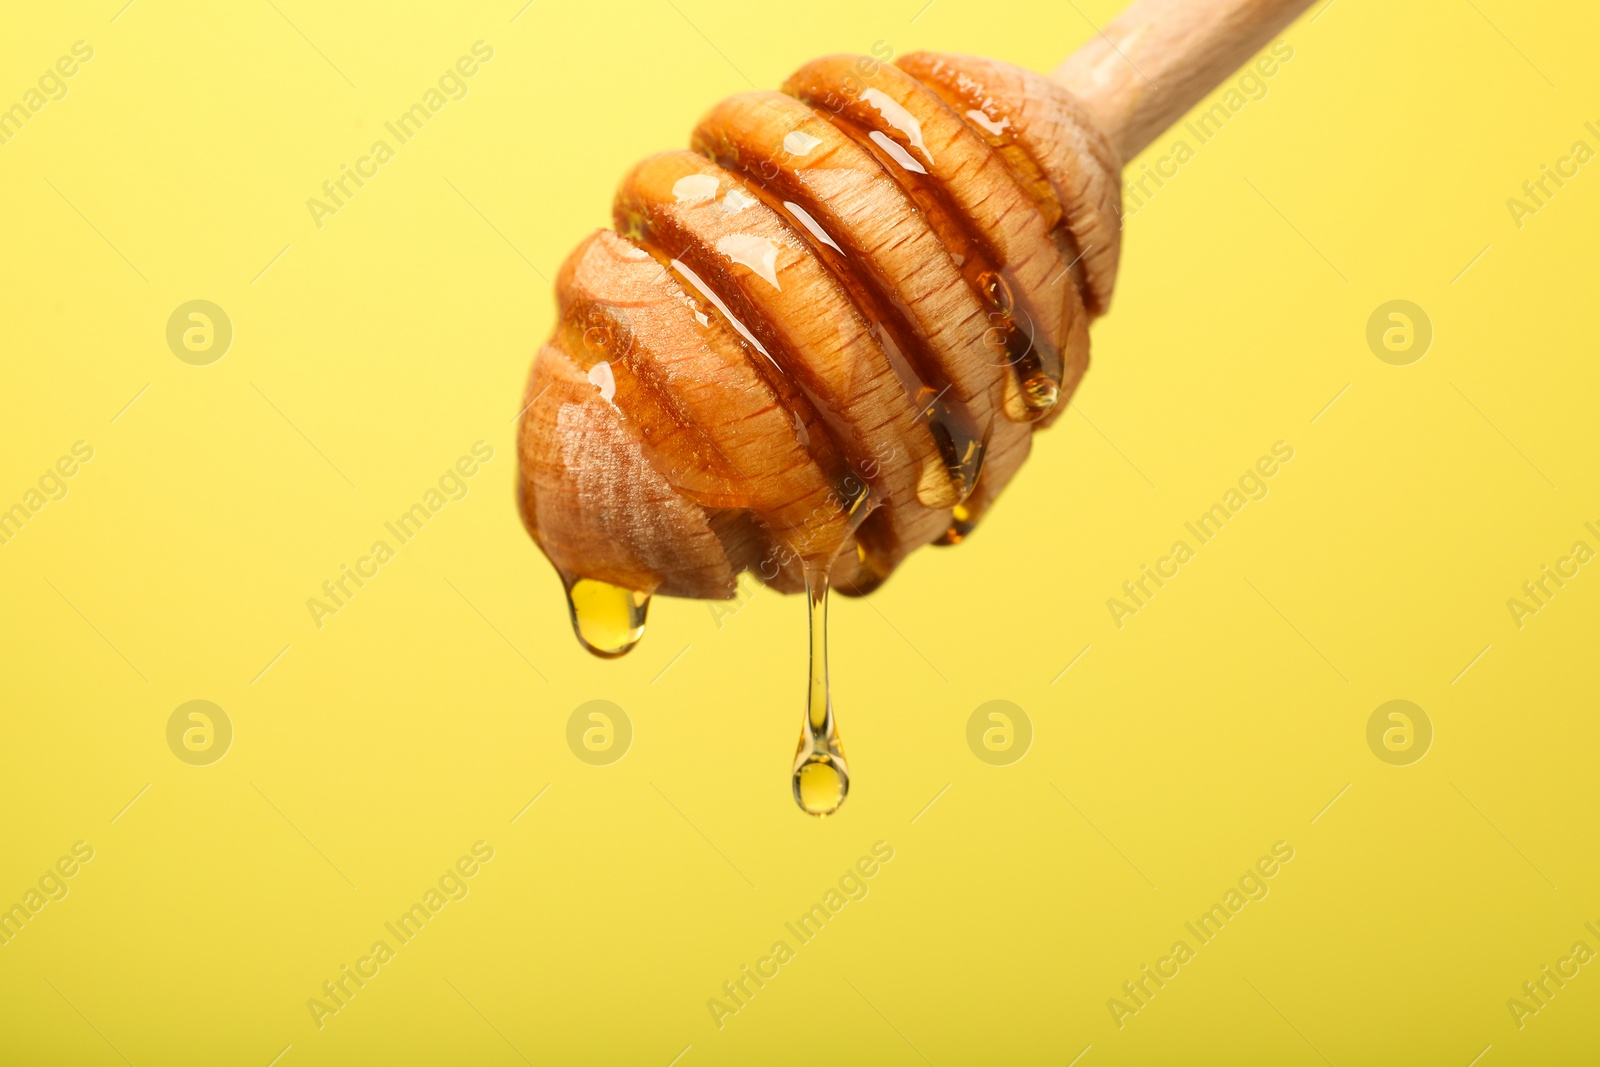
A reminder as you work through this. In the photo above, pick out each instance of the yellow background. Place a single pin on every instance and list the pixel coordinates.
(374, 751)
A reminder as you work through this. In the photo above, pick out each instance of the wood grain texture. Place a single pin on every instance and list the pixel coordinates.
(824, 337)
(1158, 58)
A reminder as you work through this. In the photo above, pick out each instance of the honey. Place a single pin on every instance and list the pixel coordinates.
(821, 776)
(608, 619)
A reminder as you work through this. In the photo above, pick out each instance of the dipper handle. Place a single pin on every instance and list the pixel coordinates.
(1159, 58)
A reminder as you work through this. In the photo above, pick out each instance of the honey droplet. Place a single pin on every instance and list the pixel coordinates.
(962, 522)
(871, 573)
(821, 777)
(819, 786)
(608, 619)
(1036, 364)
(1040, 392)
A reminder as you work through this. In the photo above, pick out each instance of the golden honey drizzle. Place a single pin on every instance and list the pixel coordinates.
(609, 620)
(821, 777)
(956, 434)
(1012, 334)
(963, 520)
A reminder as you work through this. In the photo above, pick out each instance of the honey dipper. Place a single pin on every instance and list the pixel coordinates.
(824, 337)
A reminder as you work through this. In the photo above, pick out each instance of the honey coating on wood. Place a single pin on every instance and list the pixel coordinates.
(816, 338)
(816, 343)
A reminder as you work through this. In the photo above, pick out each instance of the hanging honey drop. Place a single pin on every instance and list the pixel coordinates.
(1040, 392)
(1035, 362)
(608, 619)
(962, 521)
(821, 776)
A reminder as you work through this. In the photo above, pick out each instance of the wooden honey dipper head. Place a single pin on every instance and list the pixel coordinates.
(824, 337)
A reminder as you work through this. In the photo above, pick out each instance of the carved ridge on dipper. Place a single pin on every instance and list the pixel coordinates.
(827, 334)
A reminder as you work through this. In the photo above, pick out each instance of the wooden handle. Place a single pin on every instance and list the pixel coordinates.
(815, 309)
(1159, 58)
